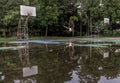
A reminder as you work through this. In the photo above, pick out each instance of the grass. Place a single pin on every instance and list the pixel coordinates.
(49, 37)
(7, 39)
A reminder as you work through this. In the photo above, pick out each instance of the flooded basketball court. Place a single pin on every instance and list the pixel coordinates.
(60, 61)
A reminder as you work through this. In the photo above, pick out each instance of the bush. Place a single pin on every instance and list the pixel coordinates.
(112, 34)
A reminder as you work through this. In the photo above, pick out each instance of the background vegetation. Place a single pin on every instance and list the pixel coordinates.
(59, 17)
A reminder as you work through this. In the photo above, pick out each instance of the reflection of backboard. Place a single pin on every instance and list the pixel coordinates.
(106, 55)
(29, 71)
(2, 77)
(25, 10)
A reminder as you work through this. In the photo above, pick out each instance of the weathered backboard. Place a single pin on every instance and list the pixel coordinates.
(25, 10)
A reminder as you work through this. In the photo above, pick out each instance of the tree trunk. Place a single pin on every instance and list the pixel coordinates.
(5, 31)
(91, 25)
(80, 28)
(73, 31)
(88, 29)
(46, 31)
(9, 32)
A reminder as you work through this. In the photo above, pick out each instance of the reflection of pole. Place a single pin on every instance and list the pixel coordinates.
(71, 49)
(90, 53)
(46, 46)
(24, 54)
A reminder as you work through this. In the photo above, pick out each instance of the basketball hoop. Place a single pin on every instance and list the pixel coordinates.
(22, 30)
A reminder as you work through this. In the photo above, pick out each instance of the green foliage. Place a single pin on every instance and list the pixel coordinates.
(48, 12)
(26, 2)
(74, 18)
(57, 13)
(9, 10)
(10, 15)
(106, 26)
(112, 34)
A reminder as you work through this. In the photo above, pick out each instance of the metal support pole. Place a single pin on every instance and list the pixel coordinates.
(22, 30)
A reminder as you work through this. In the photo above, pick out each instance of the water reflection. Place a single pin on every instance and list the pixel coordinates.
(27, 80)
(101, 63)
(28, 70)
(2, 76)
(24, 53)
(15, 64)
(106, 54)
(61, 63)
(75, 78)
(70, 48)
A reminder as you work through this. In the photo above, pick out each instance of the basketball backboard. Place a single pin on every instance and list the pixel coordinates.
(25, 10)
(106, 20)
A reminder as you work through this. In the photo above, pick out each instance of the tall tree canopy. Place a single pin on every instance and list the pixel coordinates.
(52, 15)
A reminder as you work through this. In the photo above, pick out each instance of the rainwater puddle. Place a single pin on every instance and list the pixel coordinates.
(59, 61)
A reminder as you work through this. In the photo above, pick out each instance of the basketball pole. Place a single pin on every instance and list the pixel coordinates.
(22, 30)
(26, 12)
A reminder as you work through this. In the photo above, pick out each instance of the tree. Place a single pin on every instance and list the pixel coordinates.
(10, 13)
(48, 13)
(71, 23)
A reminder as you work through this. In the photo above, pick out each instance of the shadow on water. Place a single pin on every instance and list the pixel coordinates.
(78, 61)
